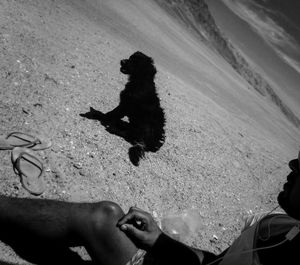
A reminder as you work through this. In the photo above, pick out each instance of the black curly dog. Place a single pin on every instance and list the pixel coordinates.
(140, 103)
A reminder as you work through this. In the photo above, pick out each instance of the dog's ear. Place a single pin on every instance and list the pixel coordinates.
(150, 68)
(153, 71)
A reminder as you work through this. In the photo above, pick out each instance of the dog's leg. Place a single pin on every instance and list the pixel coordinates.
(119, 128)
(136, 152)
(116, 114)
(93, 114)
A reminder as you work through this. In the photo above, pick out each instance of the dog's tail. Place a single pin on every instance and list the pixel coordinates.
(136, 152)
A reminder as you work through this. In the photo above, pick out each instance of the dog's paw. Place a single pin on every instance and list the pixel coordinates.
(110, 128)
(86, 115)
(93, 114)
(136, 152)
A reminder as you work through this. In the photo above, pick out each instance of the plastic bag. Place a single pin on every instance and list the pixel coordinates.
(182, 225)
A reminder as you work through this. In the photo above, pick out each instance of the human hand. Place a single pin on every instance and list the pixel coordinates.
(140, 227)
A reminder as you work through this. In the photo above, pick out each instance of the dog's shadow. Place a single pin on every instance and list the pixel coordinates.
(119, 127)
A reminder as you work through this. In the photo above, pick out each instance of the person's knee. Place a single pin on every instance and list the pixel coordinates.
(110, 209)
(106, 214)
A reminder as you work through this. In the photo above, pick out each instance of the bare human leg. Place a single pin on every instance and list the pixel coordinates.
(63, 224)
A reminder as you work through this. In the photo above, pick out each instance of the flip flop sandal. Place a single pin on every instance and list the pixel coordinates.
(30, 169)
(20, 139)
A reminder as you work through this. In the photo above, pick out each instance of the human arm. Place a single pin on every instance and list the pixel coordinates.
(171, 251)
(141, 228)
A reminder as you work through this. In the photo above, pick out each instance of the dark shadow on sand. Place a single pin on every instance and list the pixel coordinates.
(143, 137)
(139, 102)
(118, 128)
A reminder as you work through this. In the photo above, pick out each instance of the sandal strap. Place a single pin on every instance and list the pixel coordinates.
(28, 144)
(17, 163)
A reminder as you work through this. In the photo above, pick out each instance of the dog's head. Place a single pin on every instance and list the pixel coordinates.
(138, 65)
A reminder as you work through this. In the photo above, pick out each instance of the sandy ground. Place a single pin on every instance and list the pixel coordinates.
(226, 149)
